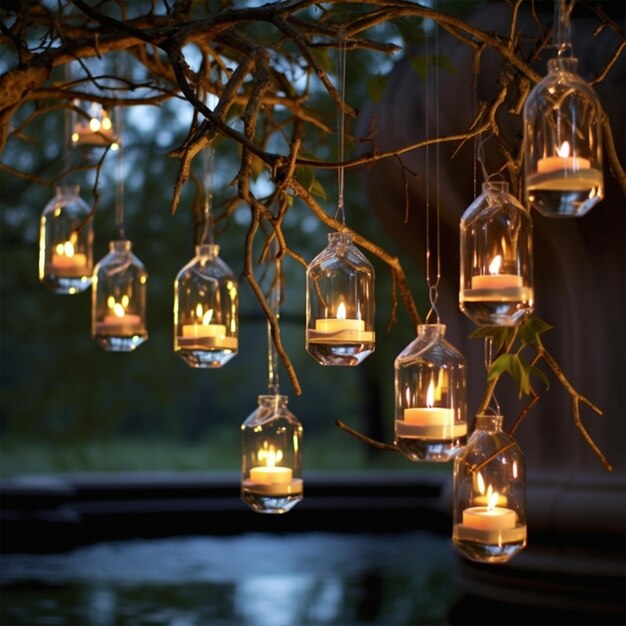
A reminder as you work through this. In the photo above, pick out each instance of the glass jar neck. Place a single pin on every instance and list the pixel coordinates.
(67, 191)
(335, 239)
(121, 245)
(489, 422)
(495, 186)
(268, 400)
(207, 249)
(431, 330)
(563, 64)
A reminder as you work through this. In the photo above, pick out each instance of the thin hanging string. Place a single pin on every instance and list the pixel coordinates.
(208, 161)
(119, 195)
(488, 356)
(433, 285)
(341, 119)
(562, 36)
(274, 302)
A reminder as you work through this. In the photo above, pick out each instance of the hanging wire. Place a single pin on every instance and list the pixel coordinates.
(341, 118)
(433, 285)
(273, 299)
(208, 163)
(119, 191)
(488, 358)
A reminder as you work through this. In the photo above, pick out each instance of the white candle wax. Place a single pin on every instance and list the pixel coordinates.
(271, 475)
(332, 325)
(204, 330)
(73, 264)
(555, 163)
(485, 518)
(429, 416)
(496, 281)
(114, 325)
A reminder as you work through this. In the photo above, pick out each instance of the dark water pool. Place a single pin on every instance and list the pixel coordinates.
(257, 579)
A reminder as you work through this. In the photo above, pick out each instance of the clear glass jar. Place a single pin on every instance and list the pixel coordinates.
(206, 322)
(489, 494)
(66, 242)
(430, 397)
(271, 472)
(496, 276)
(118, 303)
(563, 143)
(340, 304)
(93, 126)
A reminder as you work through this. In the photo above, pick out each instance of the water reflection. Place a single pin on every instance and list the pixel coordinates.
(252, 579)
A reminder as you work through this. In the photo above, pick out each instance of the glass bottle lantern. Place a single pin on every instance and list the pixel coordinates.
(340, 304)
(496, 276)
(489, 494)
(563, 143)
(271, 473)
(92, 125)
(206, 310)
(66, 242)
(430, 397)
(118, 304)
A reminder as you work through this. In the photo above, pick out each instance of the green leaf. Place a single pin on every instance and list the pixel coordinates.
(443, 62)
(305, 175)
(375, 87)
(420, 65)
(530, 330)
(516, 366)
(317, 189)
(535, 371)
(500, 334)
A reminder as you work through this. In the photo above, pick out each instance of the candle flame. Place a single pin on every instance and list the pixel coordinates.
(430, 395)
(480, 483)
(270, 456)
(66, 248)
(341, 311)
(492, 500)
(94, 124)
(206, 318)
(494, 266)
(118, 308)
(563, 151)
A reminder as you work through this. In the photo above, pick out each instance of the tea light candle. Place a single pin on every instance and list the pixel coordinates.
(271, 475)
(204, 330)
(429, 416)
(489, 518)
(556, 163)
(73, 264)
(496, 281)
(113, 325)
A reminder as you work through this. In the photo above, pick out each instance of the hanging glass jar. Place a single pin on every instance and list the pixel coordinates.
(496, 273)
(271, 473)
(206, 310)
(563, 143)
(489, 494)
(340, 304)
(118, 304)
(93, 124)
(430, 397)
(66, 242)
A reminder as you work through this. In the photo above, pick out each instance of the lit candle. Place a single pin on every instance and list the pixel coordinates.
(562, 162)
(340, 329)
(95, 131)
(490, 524)
(204, 335)
(66, 262)
(118, 322)
(272, 479)
(489, 518)
(430, 422)
(494, 280)
(204, 330)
